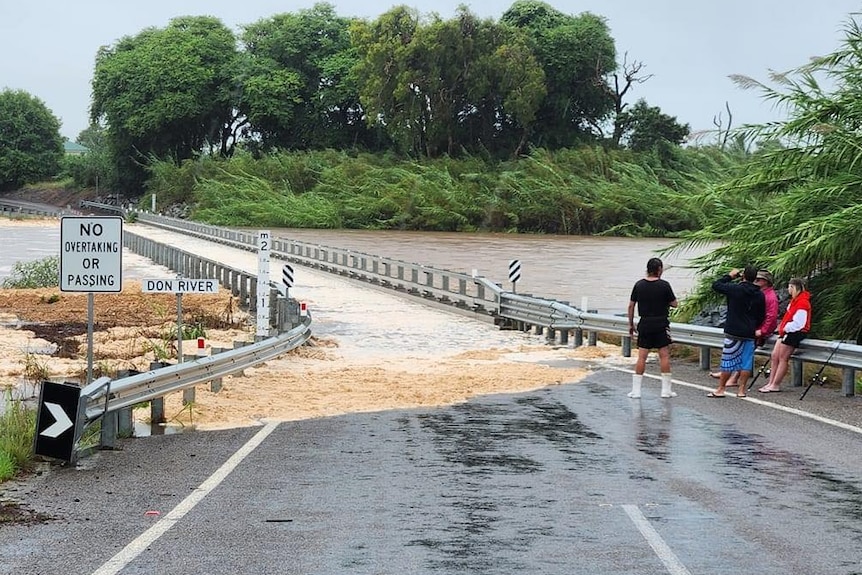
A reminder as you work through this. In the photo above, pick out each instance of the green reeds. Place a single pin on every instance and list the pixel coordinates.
(17, 427)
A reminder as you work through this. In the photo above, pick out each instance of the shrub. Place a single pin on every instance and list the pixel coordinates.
(35, 274)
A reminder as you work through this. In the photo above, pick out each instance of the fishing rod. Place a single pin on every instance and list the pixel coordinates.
(763, 369)
(818, 377)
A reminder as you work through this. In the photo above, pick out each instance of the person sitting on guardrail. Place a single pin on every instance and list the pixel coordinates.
(746, 309)
(764, 281)
(654, 298)
(792, 330)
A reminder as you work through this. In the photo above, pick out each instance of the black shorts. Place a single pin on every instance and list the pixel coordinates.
(653, 334)
(794, 338)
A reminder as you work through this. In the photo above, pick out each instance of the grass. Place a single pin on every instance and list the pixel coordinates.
(17, 428)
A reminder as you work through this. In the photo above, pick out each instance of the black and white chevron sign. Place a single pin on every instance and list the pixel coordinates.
(287, 277)
(514, 270)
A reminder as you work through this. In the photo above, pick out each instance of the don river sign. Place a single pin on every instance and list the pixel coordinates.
(91, 254)
(179, 286)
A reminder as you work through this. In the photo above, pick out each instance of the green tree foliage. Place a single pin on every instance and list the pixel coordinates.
(166, 93)
(797, 208)
(443, 86)
(95, 168)
(576, 54)
(297, 90)
(30, 142)
(643, 126)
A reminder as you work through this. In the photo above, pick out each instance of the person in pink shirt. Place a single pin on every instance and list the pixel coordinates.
(764, 281)
(770, 322)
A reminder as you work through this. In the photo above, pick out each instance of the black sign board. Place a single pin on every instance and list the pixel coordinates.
(55, 422)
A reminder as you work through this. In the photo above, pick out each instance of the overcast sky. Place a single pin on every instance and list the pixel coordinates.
(48, 47)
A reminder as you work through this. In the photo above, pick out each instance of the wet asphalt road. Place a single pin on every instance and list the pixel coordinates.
(569, 479)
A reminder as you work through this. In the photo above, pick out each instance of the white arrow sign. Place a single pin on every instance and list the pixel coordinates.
(61, 423)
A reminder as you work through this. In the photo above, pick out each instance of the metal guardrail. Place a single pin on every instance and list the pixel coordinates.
(105, 395)
(558, 316)
(453, 290)
(486, 299)
(17, 208)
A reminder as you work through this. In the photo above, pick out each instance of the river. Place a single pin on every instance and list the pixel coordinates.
(566, 268)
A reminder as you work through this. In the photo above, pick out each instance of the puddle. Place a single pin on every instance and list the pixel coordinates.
(145, 429)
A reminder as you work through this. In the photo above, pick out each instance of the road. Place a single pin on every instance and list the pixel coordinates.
(574, 478)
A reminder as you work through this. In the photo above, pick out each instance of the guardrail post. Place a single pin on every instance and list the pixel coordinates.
(238, 343)
(627, 346)
(273, 311)
(157, 405)
(848, 383)
(188, 392)
(125, 424)
(551, 335)
(108, 434)
(704, 358)
(252, 296)
(215, 384)
(796, 366)
(125, 427)
(579, 337)
(564, 337)
(593, 335)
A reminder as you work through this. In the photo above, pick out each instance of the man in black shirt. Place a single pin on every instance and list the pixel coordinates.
(654, 297)
(746, 309)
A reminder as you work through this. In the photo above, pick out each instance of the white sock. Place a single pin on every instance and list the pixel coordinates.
(637, 380)
(666, 386)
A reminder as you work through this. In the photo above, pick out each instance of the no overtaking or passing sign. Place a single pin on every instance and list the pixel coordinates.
(91, 254)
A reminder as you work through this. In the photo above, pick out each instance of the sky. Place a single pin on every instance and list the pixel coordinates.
(48, 47)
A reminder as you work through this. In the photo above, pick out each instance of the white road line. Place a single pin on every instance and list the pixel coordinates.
(668, 557)
(116, 563)
(752, 399)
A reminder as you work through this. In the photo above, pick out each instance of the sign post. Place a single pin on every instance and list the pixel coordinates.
(91, 260)
(179, 286)
(263, 248)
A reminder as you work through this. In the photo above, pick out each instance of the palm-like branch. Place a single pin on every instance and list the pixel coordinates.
(798, 209)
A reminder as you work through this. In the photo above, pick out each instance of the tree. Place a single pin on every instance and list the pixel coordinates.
(576, 53)
(644, 126)
(166, 93)
(442, 86)
(30, 142)
(297, 90)
(386, 90)
(94, 169)
(797, 208)
(631, 75)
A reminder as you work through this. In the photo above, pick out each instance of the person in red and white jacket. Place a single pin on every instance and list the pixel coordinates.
(792, 330)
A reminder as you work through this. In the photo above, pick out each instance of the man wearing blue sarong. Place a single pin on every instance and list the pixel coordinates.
(746, 308)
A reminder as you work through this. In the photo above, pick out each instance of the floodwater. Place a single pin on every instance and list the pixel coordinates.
(566, 268)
